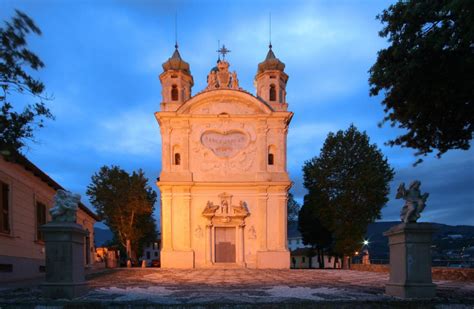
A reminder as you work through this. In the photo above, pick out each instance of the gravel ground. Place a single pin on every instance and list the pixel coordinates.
(122, 288)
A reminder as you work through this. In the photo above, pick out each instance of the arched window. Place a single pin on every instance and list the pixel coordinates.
(174, 93)
(270, 159)
(271, 155)
(272, 93)
(177, 159)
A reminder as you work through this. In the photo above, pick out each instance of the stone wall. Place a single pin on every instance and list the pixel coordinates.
(438, 273)
(378, 268)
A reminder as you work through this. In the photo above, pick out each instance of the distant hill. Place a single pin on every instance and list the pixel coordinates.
(449, 242)
(101, 236)
(442, 242)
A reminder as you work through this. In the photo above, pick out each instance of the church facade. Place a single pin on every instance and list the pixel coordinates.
(224, 180)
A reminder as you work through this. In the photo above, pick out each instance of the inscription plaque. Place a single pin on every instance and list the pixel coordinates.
(226, 144)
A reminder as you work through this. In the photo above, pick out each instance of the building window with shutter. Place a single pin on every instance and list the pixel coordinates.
(5, 208)
(40, 220)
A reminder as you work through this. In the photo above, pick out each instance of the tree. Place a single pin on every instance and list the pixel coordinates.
(314, 233)
(16, 61)
(293, 207)
(126, 203)
(427, 74)
(348, 185)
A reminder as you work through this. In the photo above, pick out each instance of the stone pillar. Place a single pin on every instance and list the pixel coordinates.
(166, 198)
(213, 245)
(240, 258)
(410, 261)
(64, 242)
(262, 218)
(208, 244)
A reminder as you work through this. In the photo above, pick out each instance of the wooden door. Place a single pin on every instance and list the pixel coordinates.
(225, 244)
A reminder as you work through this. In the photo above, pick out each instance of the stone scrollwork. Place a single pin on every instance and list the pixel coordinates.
(198, 232)
(226, 212)
(225, 144)
(221, 78)
(224, 147)
(252, 234)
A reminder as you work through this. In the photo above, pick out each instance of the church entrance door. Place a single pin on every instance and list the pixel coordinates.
(225, 244)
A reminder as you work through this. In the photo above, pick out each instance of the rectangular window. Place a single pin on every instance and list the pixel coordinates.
(40, 220)
(5, 208)
(6, 268)
(148, 255)
(303, 259)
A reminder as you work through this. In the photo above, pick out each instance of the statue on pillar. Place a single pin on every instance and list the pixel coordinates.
(415, 202)
(65, 206)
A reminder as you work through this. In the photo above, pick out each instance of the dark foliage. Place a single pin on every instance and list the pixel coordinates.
(16, 60)
(293, 207)
(314, 233)
(126, 203)
(348, 185)
(427, 74)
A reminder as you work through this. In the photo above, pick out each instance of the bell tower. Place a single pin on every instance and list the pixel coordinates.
(270, 81)
(176, 82)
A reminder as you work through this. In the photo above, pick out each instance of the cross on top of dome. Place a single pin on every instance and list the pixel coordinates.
(223, 51)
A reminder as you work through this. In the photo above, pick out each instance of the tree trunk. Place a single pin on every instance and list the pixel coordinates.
(322, 259)
(319, 258)
(128, 249)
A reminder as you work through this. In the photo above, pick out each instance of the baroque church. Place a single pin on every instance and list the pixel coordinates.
(224, 181)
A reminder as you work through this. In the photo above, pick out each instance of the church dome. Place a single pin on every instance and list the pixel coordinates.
(176, 63)
(271, 62)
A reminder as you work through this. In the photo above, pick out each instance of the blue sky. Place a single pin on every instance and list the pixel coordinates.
(103, 59)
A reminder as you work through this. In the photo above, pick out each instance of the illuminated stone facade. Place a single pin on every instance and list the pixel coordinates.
(224, 180)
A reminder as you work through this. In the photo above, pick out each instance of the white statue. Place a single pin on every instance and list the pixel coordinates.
(415, 202)
(65, 206)
(212, 80)
(235, 81)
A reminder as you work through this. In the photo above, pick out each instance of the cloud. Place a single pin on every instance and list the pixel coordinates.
(133, 132)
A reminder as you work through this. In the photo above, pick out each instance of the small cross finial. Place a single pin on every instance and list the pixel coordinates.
(223, 51)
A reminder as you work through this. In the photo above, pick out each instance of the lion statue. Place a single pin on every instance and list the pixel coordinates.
(65, 206)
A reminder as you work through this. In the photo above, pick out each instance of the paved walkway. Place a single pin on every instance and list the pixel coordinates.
(244, 287)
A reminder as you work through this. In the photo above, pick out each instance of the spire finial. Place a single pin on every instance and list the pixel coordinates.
(270, 30)
(223, 50)
(176, 30)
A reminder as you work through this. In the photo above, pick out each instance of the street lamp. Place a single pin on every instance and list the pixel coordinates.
(366, 242)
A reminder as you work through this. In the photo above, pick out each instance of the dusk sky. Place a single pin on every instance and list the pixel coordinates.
(103, 59)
